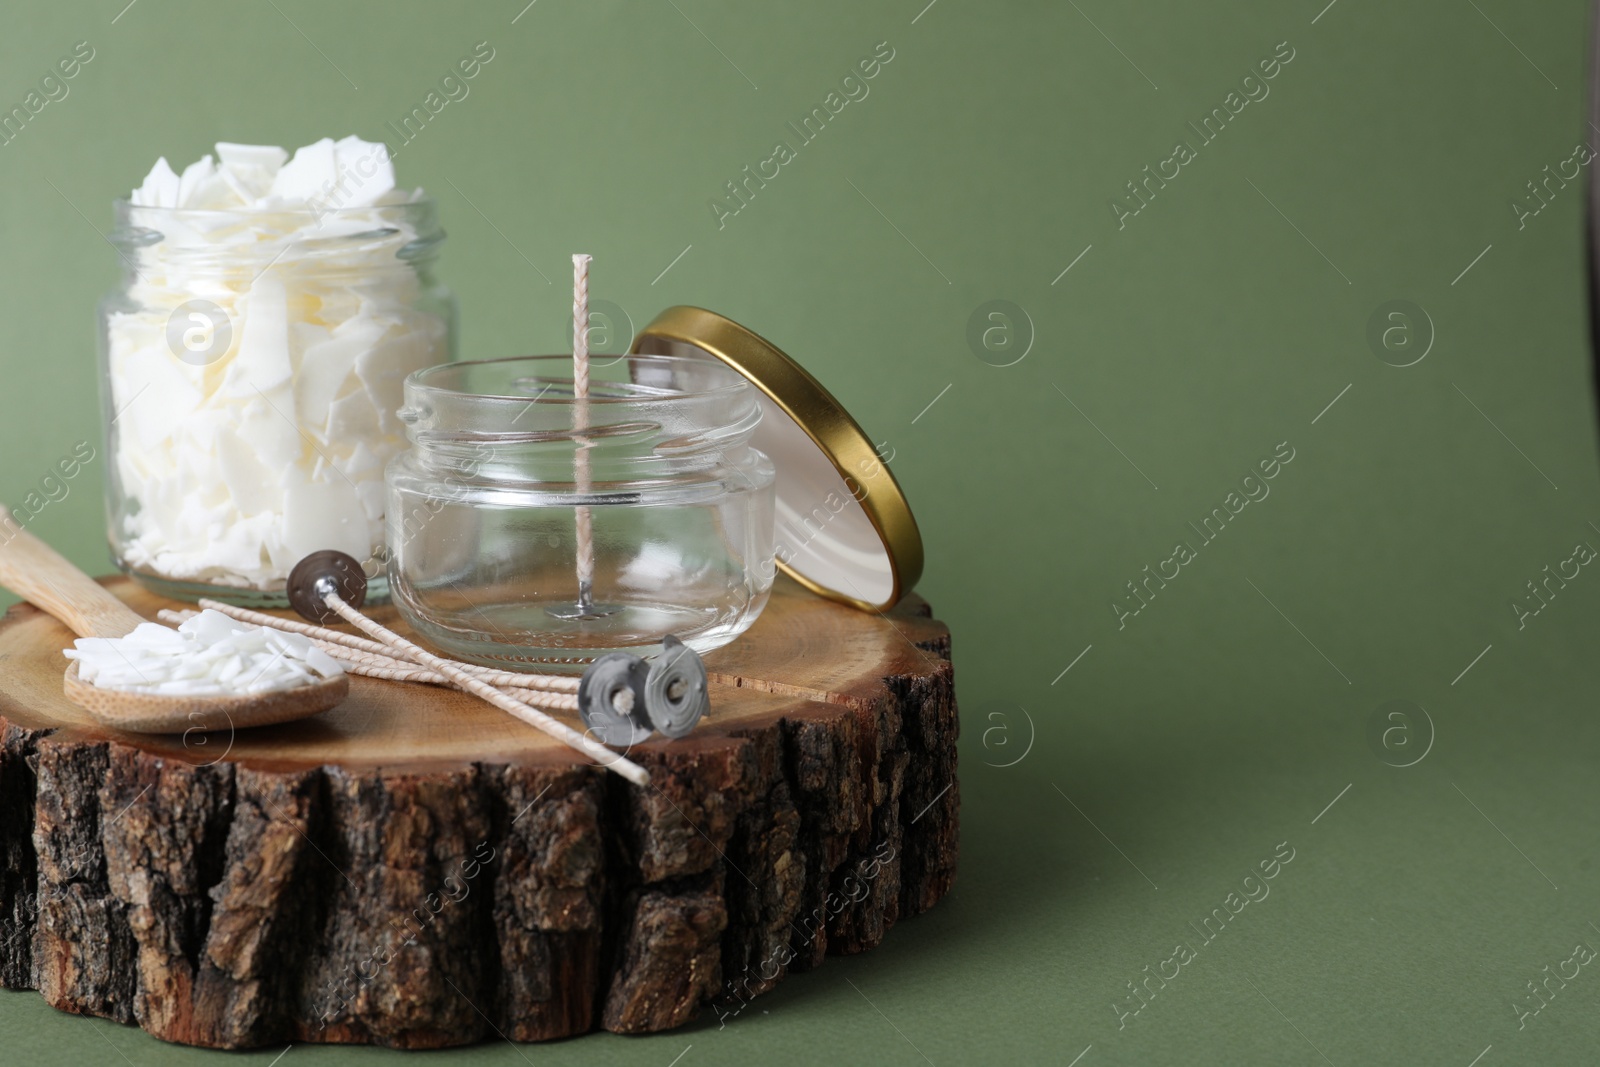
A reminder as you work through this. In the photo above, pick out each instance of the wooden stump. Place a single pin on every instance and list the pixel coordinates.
(416, 869)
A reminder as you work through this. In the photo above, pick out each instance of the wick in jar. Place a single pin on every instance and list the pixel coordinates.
(585, 607)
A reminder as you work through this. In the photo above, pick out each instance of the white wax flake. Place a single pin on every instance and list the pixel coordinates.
(197, 187)
(249, 169)
(326, 515)
(263, 360)
(237, 459)
(160, 188)
(327, 366)
(209, 654)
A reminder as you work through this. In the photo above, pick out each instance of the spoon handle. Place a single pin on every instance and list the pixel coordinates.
(38, 573)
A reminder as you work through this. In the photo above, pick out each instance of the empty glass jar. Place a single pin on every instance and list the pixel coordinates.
(484, 510)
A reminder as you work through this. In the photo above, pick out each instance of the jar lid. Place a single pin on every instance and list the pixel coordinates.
(843, 527)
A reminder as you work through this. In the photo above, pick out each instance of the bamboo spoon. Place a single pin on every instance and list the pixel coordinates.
(33, 570)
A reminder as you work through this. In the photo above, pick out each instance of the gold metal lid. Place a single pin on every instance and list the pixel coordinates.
(843, 527)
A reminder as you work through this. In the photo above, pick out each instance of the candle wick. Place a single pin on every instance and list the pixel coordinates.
(580, 418)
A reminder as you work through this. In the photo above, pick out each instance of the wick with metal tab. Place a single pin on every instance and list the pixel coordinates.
(621, 699)
(323, 586)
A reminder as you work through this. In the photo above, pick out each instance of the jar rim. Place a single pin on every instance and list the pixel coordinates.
(122, 205)
(737, 383)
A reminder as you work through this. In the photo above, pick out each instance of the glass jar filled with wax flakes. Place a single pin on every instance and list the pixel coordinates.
(253, 359)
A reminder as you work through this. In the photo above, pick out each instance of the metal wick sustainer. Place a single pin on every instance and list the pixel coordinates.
(320, 574)
(624, 700)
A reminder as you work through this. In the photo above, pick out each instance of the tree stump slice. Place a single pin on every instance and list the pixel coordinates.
(416, 869)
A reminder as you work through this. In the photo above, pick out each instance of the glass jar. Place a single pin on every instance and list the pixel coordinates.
(252, 364)
(483, 511)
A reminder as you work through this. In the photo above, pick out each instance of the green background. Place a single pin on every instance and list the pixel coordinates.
(1221, 321)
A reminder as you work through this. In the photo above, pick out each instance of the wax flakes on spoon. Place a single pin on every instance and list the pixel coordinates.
(208, 655)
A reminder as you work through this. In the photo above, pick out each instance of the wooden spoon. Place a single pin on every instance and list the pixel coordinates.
(35, 571)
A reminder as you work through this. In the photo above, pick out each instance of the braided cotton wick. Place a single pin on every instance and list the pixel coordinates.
(528, 714)
(326, 636)
(580, 325)
(580, 419)
(357, 657)
(373, 667)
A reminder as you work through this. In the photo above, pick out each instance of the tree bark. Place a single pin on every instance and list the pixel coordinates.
(416, 870)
